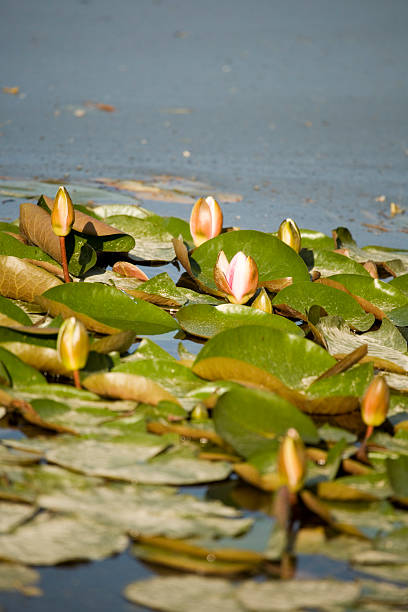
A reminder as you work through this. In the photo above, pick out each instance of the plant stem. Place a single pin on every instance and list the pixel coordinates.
(64, 259)
(76, 379)
(362, 451)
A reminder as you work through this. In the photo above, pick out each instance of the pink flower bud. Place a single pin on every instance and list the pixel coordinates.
(374, 405)
(292, 461)
(205, 220)
(63, 214)
(237, 279)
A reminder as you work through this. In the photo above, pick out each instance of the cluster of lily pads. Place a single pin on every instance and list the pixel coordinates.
(301, 343)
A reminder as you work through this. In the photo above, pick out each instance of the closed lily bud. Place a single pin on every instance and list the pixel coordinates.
(205, 220)
(289, 233)
(374, 405)
(292, 461)
(199, 413)
(73, 344)
(238, 279)
(262, 302)
(63, 214)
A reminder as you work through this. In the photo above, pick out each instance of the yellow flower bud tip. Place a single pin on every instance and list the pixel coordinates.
(238, 279)
(289, 233)
(199, 413)
(205, 220)
(262, 302)
(374, 405)
(73, 344)
(292, 461)
(63, 214)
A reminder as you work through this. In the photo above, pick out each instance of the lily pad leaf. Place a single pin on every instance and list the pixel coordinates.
(19, 372)
(252, 420)
(150, 512)
(106, 309)
(397, 470)
(386, 346)
(9, 311)
(22, 280)
(100, 235)
(384, 296)
(401, 283)
(49, 540)
(312, 239)
(10, 245)
(152, 242)
(399, 316)
(35, 224)
(275, 260)
(329, 262)
(356, 488)
(302, 296)
(206, 321)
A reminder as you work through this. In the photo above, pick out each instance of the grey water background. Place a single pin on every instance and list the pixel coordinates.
(300, 106)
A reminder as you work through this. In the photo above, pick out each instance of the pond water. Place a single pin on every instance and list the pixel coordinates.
(299, 107)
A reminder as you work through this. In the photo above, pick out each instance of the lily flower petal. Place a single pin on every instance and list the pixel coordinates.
(205, 220)
(237, 279)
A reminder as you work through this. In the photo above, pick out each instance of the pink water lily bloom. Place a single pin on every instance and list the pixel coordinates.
(205, 220)
(238, 279)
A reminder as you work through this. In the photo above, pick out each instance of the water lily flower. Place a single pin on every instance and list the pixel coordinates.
(292, 461)
(374, 408)
(205, 220)
(263, 302)
(238, 279)
(73, 346)
(289, 233)
(62, 220)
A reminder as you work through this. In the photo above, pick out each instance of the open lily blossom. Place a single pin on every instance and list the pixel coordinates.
(205, 220)
(238, 279)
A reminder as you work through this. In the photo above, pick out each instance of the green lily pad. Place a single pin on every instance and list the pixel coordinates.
(399, 316)
(311, 239)
(248, 354)
(20, 373)
(253, 420)
(385, 346)
(9, 310)
(353, 488)
(302, 296)
(148, 349)
(397, 470)
(206, 321)
(152, 241)
(273, 257)
(383, 295)
(9, 227)
(175, 378)
(106, 309)
(161, 290)
(329, 262)
(12, 246)
(401, 283)
(150, 511)
(49, 540)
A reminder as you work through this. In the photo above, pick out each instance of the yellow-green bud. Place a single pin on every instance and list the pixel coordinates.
(73, 344)
(199, 413)
(262, 302)
(63, 214)
(374, 405)
(289, 233)
(292, 461)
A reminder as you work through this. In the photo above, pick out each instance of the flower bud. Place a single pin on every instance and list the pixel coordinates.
(289, 233)
(63, 214)
(292, 461)
(73, 344)
(199, 413)
(205, 220)
(262, 302)
(374, 405)
(237, 279)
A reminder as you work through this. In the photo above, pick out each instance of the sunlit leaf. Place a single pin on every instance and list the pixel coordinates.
(22, 280)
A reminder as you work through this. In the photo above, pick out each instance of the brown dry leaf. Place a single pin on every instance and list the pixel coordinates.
(116, 342)
(41, 358)
(166, 188)
(11, 90)
(265, 482)
(128, 386)
(129, 270)
(374, 226)
(21, 280)
(107, 108)
(35, 223)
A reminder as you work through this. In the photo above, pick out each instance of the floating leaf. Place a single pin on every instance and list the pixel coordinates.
(397, 470)
(13, 515)
(152, 241)
(128, 386)
(19, 372)
(401, 283)
(13, 313)
(150, 511)
(206, 321)
(311, 239)
(106, 309)
(22, 280)
(352, 488)
(12, 246)
(329, 262)
(49, 540)
(302, 296)
(251, 420)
